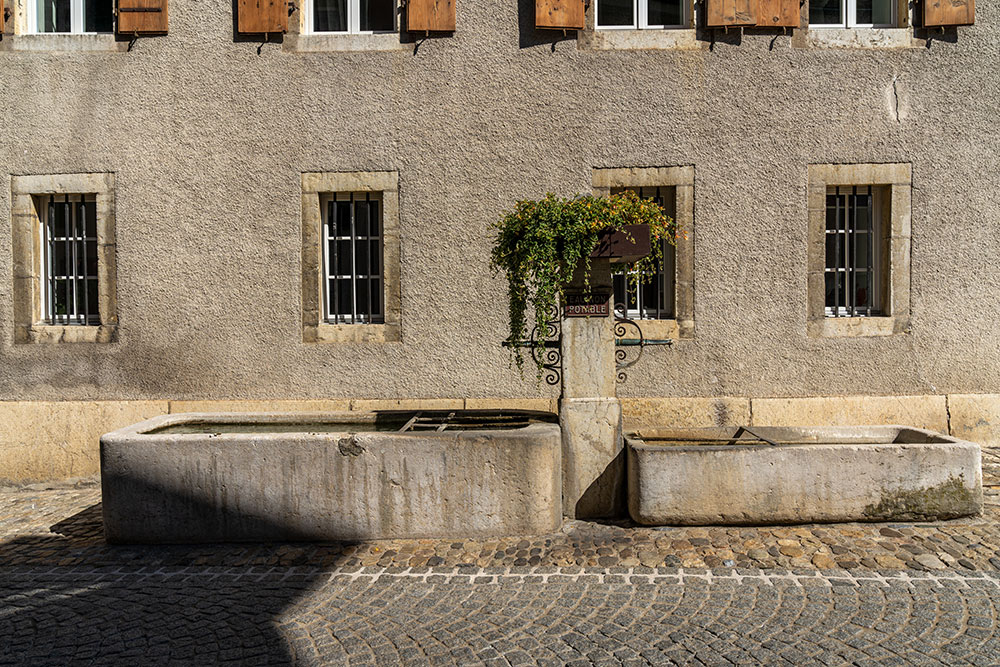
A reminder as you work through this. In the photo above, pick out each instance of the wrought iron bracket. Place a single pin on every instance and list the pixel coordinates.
(545, 347)
(625, 325)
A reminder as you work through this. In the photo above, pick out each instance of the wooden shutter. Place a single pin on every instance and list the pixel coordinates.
(142, 17)
(262, 16)
(559, 14)
(949, 12)
(778, 14)
(732, 12)
(430, 15)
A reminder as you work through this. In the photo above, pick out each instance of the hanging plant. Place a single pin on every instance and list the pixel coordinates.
(539, 245)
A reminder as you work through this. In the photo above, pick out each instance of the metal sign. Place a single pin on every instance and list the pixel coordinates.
(586, 304)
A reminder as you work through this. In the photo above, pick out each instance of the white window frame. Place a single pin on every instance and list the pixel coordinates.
(76, 19)
(353, 20)
(640, 12)
(849, 9)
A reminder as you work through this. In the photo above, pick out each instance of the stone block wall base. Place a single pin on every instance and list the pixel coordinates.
(593, 458)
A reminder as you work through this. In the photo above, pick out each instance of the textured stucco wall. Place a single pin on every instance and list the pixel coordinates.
(208, 141)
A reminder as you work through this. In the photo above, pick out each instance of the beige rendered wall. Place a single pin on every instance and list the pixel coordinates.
(208, 141)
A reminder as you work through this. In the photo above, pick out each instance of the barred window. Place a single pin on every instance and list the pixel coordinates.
(352, 258)
(853, 252)
(653, 299)
(69, 259)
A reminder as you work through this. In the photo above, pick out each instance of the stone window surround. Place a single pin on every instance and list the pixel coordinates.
(19, 39)
(682, 180)
(897, 179)
(314, 328)
(26, 247)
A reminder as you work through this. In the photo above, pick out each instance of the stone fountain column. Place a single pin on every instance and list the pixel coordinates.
(589, 411)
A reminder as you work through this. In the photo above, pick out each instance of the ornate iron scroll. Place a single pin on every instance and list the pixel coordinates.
(545, 347)
(623, 325)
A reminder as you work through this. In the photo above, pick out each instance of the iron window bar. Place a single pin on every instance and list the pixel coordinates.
(652, 300)
(353, 258)
(852, 280)
(69, 260)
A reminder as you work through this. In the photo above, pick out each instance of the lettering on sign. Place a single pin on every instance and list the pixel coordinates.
(586, 304)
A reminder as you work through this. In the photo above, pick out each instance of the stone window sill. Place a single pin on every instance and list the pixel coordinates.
(322, 43)
(856, 38)
(41, 333)
(855, 327)
(663, 329)
(64, 43)
(625, 40)
(353, 333)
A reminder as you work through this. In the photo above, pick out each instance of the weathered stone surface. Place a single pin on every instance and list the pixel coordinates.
(975, 417)
(686, 412)
(327, 486)
(834, 474)
(280, 405)
(593, 458)
(928, 412)
(54, 440)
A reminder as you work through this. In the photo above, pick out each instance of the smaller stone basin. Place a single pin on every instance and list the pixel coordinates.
(232, 477)
(769, 475)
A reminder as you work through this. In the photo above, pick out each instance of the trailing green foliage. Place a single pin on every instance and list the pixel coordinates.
(539, 244)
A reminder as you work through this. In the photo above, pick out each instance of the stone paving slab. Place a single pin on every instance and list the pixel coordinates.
(308, 616)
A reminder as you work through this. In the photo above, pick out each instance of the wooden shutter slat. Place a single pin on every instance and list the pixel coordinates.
(262, 16)
(559, 14)
(949, 12)
(430, 15)
(732, 13)
(778, 14)
(142, 17)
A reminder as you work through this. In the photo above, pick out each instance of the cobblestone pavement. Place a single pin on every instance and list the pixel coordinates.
(914, 593)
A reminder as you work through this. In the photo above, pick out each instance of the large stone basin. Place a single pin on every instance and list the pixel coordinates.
(331, 477)
(867, 473)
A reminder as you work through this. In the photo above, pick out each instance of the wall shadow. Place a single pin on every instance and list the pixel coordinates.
(69, 597)
(530, 36)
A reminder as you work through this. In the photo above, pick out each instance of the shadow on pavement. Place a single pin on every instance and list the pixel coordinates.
(69, 597)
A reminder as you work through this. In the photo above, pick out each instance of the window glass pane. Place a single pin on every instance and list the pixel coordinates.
(53, 15)
(825, 12)
(58, 219)
(361, 258)
(834, 290)
(834, 251)
(343, 217)
(835, 211)
(90, 211)
(344, 265)
(361, 218)
(665, 12)
(97, 16)
(882, 12)
(91, 258)
(376, 250)
(344, 297)
(94, 312)
(378, 15)
(376, 296)
(361, 290)
(61, 298)
(861, 289)
(864, 12)
(330, 15)
(615, 12)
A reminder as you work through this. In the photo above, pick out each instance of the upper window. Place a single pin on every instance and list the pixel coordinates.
(854, 251)
(70, 16)
(350, 16)
(852, 13)
(652, 299)
(642, 14)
